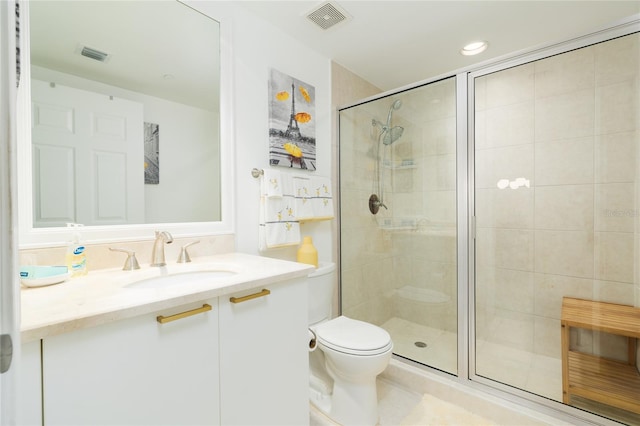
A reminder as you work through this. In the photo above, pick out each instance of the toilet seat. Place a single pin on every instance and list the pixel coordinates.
(353, 337)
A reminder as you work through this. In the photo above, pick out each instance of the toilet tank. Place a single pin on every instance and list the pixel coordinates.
(320, 284)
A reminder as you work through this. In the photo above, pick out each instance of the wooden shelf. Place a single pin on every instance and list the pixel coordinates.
(611, 382)
(608, 317)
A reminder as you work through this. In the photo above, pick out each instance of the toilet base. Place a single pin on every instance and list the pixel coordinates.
(355, 403)
(344, 402)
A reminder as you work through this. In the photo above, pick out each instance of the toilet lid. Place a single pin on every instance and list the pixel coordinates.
(353, 336)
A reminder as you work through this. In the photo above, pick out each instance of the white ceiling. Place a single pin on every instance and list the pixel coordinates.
(389, 43)
(396, 43)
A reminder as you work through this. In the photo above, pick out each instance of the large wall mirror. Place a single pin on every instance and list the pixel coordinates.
(121, 122)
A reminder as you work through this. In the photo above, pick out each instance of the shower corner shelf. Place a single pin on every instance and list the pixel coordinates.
(398, 228)
(400, 166)
(611, 382)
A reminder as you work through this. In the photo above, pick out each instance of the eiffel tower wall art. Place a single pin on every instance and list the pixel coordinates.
(292, 128)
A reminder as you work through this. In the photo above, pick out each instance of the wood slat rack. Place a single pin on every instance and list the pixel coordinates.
(611, 382)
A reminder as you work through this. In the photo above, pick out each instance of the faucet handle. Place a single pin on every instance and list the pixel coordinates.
(131, 263)
(184, 254)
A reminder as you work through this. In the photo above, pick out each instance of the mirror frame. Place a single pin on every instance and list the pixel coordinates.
(30, 237)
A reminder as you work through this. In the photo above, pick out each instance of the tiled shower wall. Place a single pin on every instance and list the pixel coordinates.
(424, 196)
(412, 243)
(569, 126)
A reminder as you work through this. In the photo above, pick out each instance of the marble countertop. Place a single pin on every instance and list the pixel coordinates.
(103, 296)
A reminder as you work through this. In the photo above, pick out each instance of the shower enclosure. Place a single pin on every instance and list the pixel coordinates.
(398, 220)
(476, 208)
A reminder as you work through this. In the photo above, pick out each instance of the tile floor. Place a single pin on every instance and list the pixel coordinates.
(401, 407)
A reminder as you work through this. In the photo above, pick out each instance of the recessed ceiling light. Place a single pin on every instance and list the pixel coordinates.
(474, 48)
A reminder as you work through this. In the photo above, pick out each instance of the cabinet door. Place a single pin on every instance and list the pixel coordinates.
(29, 390)
(135, 372)
(264, 357)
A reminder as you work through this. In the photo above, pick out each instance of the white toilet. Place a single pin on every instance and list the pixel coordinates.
(350, 354)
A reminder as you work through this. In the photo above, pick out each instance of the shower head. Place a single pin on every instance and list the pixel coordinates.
(391, 135)
(395, 106)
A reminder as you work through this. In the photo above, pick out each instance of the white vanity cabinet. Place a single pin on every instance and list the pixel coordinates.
(264, 355)
(136, 371)
(28, 386)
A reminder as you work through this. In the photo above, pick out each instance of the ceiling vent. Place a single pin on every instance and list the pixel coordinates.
(327, 15)
(93, 53)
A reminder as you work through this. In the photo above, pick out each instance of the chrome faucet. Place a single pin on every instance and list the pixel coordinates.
(157, 256)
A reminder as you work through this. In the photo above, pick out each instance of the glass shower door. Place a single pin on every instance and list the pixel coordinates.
(556, 205)
(398, 220)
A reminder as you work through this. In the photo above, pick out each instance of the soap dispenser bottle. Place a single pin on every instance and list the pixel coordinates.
(76, 257)
(307, 253)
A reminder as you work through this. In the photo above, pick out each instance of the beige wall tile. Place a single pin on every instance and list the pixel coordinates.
(495, 164)
(614, 256)
(617, 108)
(446, 168)
(485, 248)
(356, 203)
(616, 157)
(514, 290)
(565, 116)
(565, 73)
(505, 208)
(352, 287)
(514, 330)
(615, 207)
(510, 86)
(613, 292)
(434, 248)
(429, 172)
(514, 249)
(617, 60)
(564, 162)
(510, 125)
(564, 253)
(439, 206)
(546, 334)
(402, 271)
(550, 289)
(564, 207)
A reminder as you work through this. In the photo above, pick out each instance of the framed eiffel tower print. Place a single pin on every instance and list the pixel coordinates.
(292, 128)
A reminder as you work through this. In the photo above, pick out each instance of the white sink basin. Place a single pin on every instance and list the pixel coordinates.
(181, 279)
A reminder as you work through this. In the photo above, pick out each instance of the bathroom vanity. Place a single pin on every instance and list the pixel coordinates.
(169, 345)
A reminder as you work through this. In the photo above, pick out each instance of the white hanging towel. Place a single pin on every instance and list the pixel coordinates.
(303, 194)
(271, 184)
(279, 226)
(322, 198)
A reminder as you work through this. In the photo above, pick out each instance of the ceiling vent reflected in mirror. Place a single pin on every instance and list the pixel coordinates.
(327, 15)
(92, 53)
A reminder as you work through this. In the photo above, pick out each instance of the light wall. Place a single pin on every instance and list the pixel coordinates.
(569, 125)
(257, 46)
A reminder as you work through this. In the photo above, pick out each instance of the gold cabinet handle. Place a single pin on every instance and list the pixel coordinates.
(162, 319)
(262, 293)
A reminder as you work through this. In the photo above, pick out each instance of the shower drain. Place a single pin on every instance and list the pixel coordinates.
(420, 344)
